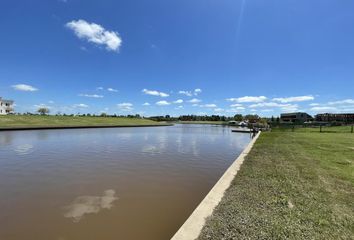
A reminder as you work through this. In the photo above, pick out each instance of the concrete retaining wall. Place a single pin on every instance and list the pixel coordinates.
(191, 228)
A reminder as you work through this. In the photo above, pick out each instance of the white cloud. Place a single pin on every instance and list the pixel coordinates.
(51, 102)
(191, 93)
(236, 105)
(95, 33)
(267, 110)
(269, 104)
(254, 99)
(346, 101)
(179, 101)
(99, 88)
(24, 87)
(314, 104)
(42, 105)
(125, 106)
(162, 103)
(91, 95)
(219, 110)
(195, 100)
(325, 108)
(146, 104)
(290, 108)
(294, 99)
(212, 105)
(112, 90)
(187, 93)
(234, 110)
(155, 93)
(80, 105)
(201, 113)
(197, 91)
(179, 107)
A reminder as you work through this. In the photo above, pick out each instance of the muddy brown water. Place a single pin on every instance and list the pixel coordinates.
(117, 183)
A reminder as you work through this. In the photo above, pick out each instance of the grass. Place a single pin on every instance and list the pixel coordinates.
(291, 186)
(203, 122)
(334, 129)
(17, 121)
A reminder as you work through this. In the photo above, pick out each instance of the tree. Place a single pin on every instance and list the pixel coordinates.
(43, 111)
(238, 117)
(252, 118)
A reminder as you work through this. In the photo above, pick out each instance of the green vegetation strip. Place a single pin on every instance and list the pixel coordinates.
(36, 121)
(291, 186)
(323, 129)
(204, 122)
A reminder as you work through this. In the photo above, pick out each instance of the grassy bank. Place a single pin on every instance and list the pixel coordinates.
(204, 122)
(324, 129)
(15, 121)
(291, 186)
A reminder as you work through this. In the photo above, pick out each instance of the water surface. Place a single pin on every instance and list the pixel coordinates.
(116, 183)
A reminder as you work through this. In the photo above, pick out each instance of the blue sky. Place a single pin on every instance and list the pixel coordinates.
(178, 57)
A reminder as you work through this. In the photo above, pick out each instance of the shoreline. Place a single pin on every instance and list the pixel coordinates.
(2, 129)
(194, 224)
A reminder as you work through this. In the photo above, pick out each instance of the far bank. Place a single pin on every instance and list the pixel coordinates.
(33, 122)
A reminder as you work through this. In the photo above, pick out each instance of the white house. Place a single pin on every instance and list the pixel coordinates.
(6, 106)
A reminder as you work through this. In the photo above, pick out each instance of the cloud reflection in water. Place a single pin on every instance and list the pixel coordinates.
(89, 204)
(24, 149)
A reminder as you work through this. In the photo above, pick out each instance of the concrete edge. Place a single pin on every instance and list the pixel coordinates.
(192, 227)
(78, 127)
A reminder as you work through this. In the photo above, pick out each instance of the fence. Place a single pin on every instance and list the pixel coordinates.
(313, 128)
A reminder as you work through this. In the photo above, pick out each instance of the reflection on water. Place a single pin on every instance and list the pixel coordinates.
(150, 149)
(89, 204)
(63, 184)
(23, 149)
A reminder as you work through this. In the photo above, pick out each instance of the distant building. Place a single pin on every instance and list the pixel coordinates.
(296, 117)
(6, 106)
(335, 117)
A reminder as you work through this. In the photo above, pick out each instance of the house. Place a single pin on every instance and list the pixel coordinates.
(335, 117)
(296, 117)
(6, 106)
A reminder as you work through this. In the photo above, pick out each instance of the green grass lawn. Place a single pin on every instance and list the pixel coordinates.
(203, 122)
(13, 121)
(291, 186)
(334, 129)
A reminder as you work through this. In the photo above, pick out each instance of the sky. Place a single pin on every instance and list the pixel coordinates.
(158, 57)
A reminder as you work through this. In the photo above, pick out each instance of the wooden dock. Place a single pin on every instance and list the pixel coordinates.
(242, 130)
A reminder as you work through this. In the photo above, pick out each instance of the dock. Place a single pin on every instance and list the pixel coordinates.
(240, 130)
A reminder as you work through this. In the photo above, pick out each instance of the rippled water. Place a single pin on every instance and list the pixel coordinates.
(118, 183)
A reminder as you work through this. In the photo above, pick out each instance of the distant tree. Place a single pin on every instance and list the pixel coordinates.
(272, 119)
(238, 117)
(43, 111)
(252, 117)
(103, 114)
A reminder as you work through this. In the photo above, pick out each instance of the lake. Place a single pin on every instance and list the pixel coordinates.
(112, 183)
